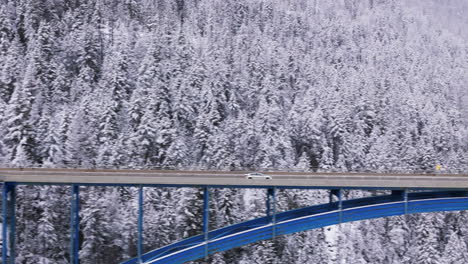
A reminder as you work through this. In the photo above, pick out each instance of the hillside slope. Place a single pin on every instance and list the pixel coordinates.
(309, 85)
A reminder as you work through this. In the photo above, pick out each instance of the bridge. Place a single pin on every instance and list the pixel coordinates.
(408, 193)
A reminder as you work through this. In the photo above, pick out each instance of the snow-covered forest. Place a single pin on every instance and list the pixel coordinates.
(347, 85)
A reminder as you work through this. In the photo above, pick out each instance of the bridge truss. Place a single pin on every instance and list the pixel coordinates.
(401, 201)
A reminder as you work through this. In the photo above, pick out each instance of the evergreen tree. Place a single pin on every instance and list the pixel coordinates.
(228, 85)
(455, 250)
(19, 137)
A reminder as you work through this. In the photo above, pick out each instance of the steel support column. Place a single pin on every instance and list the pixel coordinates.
(340, 204)
(75, 224)
(9, 222)
(271, 207)
(405, 198)
(268, 203)
(206, 217)
(4, 222)
(335, 192)
(339, 194)
(140, 223)
(12, 223)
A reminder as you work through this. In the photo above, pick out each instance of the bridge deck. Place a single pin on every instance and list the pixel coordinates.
(233, 178)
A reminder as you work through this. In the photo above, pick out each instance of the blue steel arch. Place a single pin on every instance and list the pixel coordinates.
(311, 217)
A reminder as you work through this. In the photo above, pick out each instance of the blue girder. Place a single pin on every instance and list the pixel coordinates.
(75, 224)
(304, 219)
(8, 222)
(140, 222)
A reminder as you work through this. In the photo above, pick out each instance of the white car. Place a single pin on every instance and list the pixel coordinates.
(257, 175)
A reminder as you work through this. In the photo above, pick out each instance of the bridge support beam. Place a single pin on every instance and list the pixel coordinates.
(140, 223)
(271, 207)
(404, 196)
(9, 222)
(334, 192)
(340, 204)
(339, 194)
(206, 217)
(75, 224)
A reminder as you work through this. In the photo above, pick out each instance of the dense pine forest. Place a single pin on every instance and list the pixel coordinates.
(303, 85)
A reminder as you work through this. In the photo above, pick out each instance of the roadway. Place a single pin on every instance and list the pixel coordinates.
(233, 178)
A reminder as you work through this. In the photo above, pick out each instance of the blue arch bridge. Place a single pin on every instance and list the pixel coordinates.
(408, 194)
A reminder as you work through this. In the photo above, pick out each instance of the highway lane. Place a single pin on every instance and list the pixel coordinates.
(234, 178)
